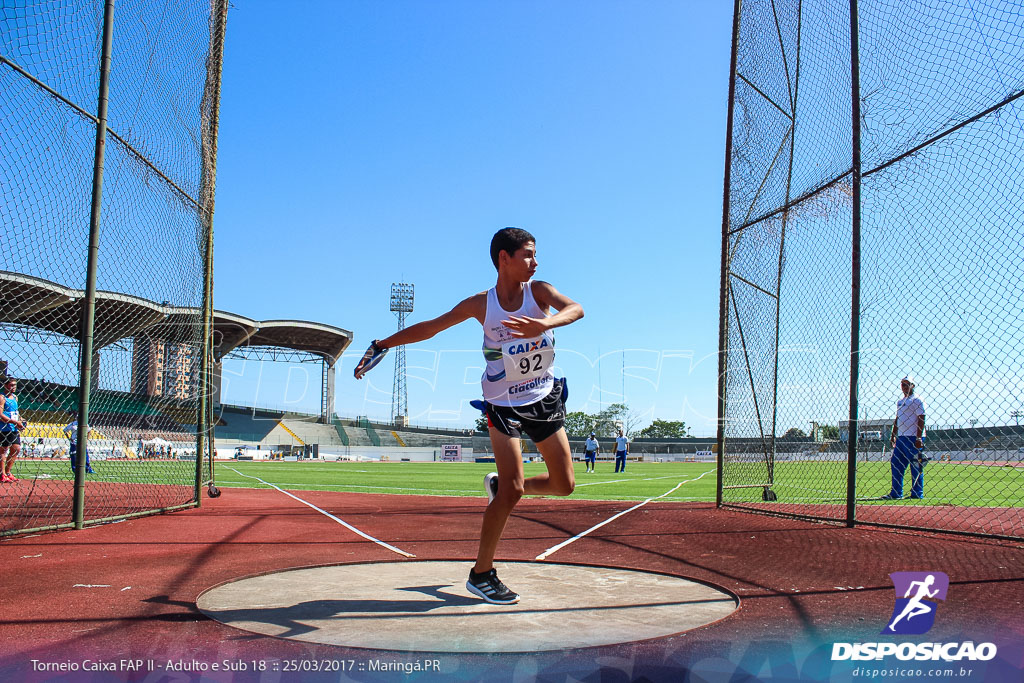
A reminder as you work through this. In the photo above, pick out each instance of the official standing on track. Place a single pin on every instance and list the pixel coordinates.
(71, 431)
(907, 442)
(621, 451)
(590, 450)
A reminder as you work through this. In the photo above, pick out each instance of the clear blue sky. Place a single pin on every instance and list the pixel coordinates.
(365, 143)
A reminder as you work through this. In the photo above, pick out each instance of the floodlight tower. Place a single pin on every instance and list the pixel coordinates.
(401, 303)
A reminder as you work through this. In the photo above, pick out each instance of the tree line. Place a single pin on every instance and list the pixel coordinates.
(825, 433)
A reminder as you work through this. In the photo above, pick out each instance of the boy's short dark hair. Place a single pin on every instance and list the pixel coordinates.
(508, 240)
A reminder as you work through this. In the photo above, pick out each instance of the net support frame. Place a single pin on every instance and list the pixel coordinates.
(845, 198)
(89, 308)
(851, 454)
(723, 293)
(211, 108)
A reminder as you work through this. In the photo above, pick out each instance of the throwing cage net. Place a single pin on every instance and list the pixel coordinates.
(872, 229)
(109, 120)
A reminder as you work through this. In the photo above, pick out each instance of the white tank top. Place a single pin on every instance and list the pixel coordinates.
(517, 371)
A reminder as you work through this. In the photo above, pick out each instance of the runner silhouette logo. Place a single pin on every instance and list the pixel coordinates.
(917, 594)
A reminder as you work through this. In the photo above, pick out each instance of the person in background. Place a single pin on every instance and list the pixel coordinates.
(621, 451)
(907, 442)
(11, 425)
(71, 431)
(590, 450)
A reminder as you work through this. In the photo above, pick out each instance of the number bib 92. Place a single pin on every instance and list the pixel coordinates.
(527, 358)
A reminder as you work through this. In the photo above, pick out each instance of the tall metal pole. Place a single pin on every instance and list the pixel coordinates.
(402, 298)
(399, 391)
(89, 306)
(723, 293)
(854, 430)
(211, 113)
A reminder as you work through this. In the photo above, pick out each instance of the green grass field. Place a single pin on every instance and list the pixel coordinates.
(182, 472)
(806, 483)
(641, 480)
(945, 484)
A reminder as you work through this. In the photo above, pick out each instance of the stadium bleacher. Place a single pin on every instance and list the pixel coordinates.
(245, 424)
(357, 435)
(118, 422)
(309, 432)
(423, 440)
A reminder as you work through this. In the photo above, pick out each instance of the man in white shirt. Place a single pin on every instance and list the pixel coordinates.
(907, 442)
(590, 450)
(621, 450)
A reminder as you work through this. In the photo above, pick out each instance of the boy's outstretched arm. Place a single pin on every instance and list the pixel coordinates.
(473, 307)
(547, 297)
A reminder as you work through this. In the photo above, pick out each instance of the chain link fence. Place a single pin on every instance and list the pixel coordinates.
(855, 255)
(108, 131)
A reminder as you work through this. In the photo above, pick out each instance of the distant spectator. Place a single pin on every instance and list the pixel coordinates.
(11, 425)
(590, 450)
(621, 451)
(71, 431)
(907, 442)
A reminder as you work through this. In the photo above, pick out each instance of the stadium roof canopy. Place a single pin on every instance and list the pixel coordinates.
(49, 306)
(231, 331)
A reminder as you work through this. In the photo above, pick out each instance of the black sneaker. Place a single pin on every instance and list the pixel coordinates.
(489, 587)
(491, 486)
(890, 496)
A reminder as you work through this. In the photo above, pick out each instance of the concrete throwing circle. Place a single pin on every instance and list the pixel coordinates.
(424, 606)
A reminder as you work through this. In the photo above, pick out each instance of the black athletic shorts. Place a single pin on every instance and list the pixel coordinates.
(11, 438)
(538, 420)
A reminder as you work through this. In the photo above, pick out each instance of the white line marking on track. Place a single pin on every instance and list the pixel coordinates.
(91, 585)
(544, 555)
(328, 514)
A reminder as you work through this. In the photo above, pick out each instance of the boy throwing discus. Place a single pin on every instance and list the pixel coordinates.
(519, 388)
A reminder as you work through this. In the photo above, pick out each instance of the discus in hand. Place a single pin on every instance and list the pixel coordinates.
(369, 360)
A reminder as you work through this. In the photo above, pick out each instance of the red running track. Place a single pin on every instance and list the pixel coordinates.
(128, 589)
